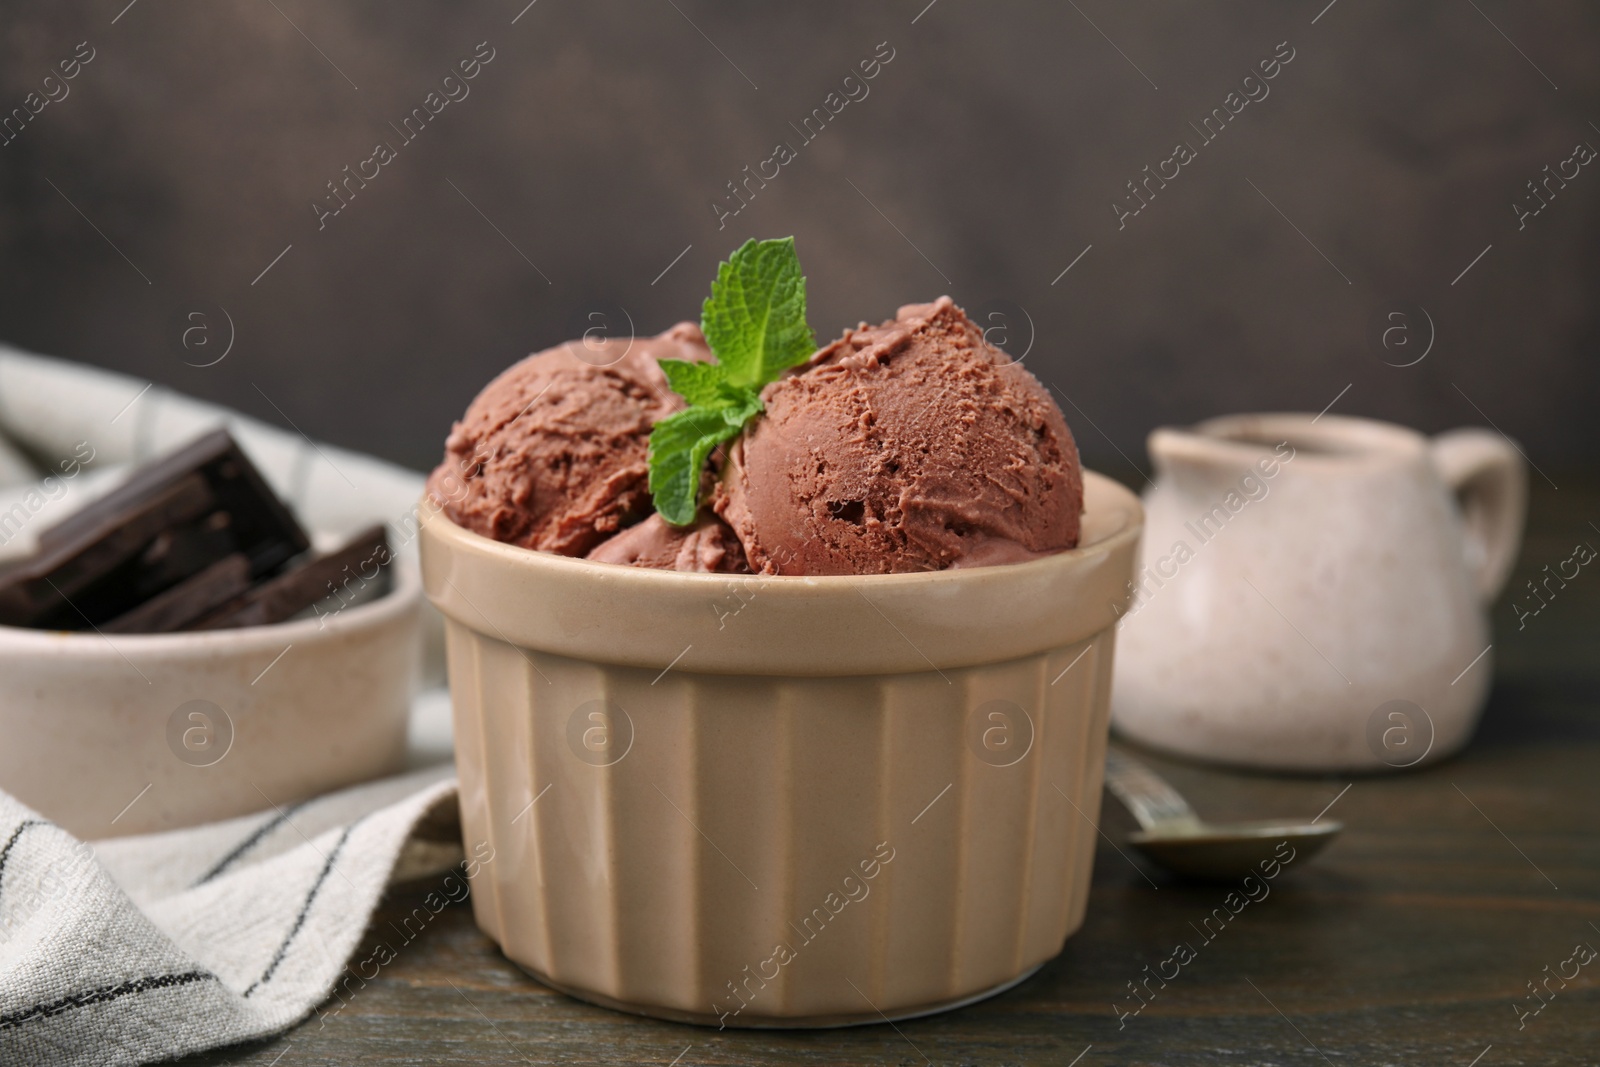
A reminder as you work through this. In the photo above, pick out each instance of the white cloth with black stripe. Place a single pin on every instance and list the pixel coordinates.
(140, 949)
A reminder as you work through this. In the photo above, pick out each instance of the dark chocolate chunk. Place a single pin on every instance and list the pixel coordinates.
(172, 556)
(42, 591)
(185, 602)
(342, 573)
(169, 521)
(266, 530)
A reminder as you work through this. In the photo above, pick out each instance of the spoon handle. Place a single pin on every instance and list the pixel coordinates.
(1150, 799)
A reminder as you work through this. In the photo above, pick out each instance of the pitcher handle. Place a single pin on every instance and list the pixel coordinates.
(1490, 482)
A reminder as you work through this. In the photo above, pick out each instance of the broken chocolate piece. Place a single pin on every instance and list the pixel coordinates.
(168, 522)
(266, 529)
(342, 572)
(43, 591)
(185, 602)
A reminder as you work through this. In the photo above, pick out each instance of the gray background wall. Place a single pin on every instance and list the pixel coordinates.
(984, 160)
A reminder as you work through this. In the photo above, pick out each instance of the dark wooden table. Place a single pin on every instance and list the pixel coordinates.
(1412, 940)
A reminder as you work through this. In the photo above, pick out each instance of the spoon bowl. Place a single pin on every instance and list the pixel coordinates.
(1172, 835)
(1226, 851)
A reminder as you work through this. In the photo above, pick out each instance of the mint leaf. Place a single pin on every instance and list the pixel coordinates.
(680, 444)
(755, 318)
(698, 383)
(755, 324)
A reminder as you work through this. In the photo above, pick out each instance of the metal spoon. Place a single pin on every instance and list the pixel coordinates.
(1172, 834)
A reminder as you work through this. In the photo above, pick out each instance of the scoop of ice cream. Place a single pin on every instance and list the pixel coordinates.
(553, 453)
(708, 545)
(911, 446)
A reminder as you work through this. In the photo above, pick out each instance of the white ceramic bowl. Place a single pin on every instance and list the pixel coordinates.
(753, 801)
(113, 735)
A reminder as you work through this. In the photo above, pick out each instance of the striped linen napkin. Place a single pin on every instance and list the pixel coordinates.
(141, 949)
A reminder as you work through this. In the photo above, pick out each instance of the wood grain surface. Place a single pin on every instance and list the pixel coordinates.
(1411, 940)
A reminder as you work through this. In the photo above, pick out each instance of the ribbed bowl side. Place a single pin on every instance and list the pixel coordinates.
(758, 847)
(466, 697)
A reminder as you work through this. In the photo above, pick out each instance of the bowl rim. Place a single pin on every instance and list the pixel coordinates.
(1129, 528)
(404, 595)
(831, 625)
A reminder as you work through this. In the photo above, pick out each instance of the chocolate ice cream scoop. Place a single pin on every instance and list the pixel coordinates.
(552, 453)
(708, 545)
(910, 446)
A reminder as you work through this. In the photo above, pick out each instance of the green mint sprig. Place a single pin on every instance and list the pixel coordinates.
(755, 324)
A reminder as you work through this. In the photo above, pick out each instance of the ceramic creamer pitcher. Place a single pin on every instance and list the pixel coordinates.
(1312, 591)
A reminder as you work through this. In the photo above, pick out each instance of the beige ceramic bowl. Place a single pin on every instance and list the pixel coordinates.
(760, 801)
(125, 734)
